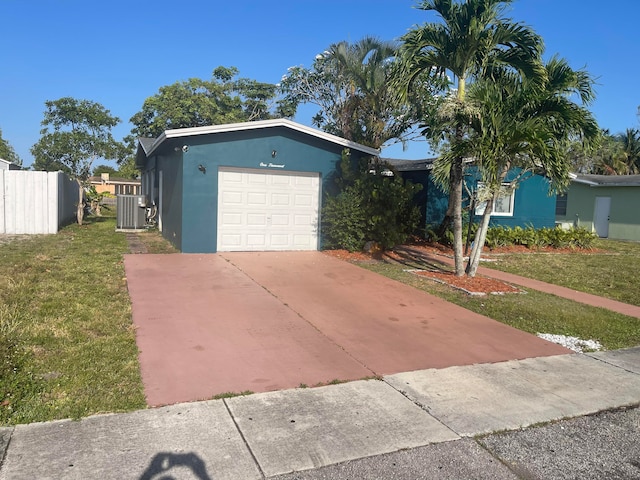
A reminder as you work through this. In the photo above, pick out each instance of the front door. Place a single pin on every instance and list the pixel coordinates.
(601, 216)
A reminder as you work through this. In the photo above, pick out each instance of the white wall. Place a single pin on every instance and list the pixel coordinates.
(35, 202)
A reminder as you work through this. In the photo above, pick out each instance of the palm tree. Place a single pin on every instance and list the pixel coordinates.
(630, 142)
(526, 127)
(365, 66)
(473, 41)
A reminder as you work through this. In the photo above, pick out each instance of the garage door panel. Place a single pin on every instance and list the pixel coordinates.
(266, 210)
(256, 220)
(278, 220)
(281, 180)
(256, 240)
(232, 198)
(233, 240)
(254, 198)
(281, 199)
(234, 219)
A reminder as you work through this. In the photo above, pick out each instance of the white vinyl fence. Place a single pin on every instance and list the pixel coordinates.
(36, 202)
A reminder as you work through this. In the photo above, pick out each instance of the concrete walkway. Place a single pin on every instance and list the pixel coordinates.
(429, 418)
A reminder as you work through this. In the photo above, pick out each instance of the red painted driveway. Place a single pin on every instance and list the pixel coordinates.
(230, 322)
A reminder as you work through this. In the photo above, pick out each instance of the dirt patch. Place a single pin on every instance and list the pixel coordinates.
(9, 238)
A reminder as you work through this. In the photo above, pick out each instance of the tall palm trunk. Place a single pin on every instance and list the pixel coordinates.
(481, 237)
(455, 202)
(456, 177)
(481, 233)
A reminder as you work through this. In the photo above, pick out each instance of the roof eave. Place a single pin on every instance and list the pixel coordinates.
(237, 127)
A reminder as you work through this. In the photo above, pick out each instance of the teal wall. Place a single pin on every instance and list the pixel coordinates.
(171, 214)
(533, 206)
(190, 216)
(624, 217)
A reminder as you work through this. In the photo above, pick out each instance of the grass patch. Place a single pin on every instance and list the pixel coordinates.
(153, 240)
(533, 312)
(67, 343)
(221, 396)
(609, 272)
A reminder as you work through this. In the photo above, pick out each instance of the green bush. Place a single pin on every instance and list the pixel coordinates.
(556, 237)
(344, 222)
(371, 206)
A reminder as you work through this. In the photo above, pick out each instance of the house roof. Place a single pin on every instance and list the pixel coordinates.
(608, 180)
(410, 165)
(114, 180)
(149, 145)
(10, 164)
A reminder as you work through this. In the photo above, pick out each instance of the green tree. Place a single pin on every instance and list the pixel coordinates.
(196, 103)
(104, 169)
(611, 156)
(350, 86)
(7, 152)
(630, 143)
(525, 127)
(128, 169)
(473, 40)
(75, 134)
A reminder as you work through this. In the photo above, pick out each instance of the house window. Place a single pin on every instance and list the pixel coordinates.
(561, 205)
(503, 206)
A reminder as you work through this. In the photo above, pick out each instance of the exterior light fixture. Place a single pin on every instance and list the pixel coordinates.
(273, 153)
(202, 168)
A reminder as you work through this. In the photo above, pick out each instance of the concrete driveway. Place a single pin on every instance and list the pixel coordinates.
(234, 322)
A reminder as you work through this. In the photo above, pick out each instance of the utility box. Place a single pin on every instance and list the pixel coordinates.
(130, 212)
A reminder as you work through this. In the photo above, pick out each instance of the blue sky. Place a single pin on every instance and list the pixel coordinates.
(118, 53)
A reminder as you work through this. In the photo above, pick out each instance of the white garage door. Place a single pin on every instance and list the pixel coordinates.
(262, 210)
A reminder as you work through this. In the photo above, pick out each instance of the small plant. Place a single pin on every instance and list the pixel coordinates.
(221, 396)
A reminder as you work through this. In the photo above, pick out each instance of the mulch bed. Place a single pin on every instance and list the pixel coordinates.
(478, 285)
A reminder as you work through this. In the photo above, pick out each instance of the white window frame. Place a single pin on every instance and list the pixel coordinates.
(507, 191)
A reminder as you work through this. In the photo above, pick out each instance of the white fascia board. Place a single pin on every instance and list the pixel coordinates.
(585, 182)
(237, 127)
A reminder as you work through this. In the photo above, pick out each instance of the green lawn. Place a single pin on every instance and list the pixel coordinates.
(67, 344)
(611, 271)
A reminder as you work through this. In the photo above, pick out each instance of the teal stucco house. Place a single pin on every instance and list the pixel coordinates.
(529, 205)
(253, 186)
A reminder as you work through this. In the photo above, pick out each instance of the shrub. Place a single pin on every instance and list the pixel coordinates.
(344, 223)
(371, 206)
(556, 237)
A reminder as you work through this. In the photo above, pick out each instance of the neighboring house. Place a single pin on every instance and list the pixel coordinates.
(240, 187)
(115, 186)
(608, 205)
(7, 165)
(530, 204)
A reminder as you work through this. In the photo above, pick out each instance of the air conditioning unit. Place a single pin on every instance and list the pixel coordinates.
(130, 212)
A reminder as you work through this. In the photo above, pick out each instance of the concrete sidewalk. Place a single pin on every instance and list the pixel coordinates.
(429, 417)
